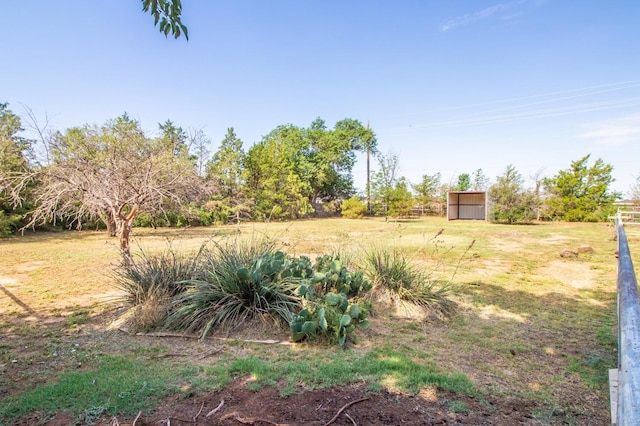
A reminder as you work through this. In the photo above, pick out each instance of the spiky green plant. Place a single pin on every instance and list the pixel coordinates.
(396, 277)
(157, 275)
(243, 280)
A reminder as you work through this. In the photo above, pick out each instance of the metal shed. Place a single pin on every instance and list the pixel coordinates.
(472, 205)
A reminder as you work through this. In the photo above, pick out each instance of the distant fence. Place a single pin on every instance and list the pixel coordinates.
(626, 398)
(627, 217)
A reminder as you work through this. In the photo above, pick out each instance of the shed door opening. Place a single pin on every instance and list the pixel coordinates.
(467, 205)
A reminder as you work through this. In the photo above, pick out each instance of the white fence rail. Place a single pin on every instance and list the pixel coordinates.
(627, 400)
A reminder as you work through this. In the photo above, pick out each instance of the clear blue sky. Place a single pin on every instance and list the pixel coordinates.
(450, 86)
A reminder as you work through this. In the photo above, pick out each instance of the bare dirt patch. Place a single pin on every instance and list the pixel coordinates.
(576, 275)
(340, 405)
(512, 242)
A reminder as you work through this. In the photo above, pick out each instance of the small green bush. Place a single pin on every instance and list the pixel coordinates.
(353, 208)
(9, 223)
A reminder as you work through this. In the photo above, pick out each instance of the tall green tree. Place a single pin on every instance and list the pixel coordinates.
(480, 181)
(13, 147)
(173, 138)
(362, 139)
(317, 160)
(226, 171)
(427, 190)
(510, 203)
(400, 199)
(464, 182)
(582, 193)
(389, 188)
(14, 152)
(199, 144)
(277, 175)
(330, 155)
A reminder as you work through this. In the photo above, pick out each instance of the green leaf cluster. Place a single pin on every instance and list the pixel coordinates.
(14, 153)
(168, 13)
(390, 190)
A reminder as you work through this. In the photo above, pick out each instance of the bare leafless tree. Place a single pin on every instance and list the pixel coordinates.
(198, 143)
(111, 172)
(634, 192)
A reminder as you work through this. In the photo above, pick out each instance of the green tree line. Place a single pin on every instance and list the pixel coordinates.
(115, 176)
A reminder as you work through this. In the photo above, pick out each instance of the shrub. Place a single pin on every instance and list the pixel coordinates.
(397, 280)
(354, 208)
(228, 283)
(9, 223)
(243, 281)
(147, 220)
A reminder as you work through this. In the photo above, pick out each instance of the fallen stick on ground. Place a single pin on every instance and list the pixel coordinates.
(181, 420)
(165, 334)
(344, 408)
(201, 408)
(136, 419)
(225, 339)
(210, 353)
(215, 410)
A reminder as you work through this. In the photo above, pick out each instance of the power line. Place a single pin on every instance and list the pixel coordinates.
(535, 113)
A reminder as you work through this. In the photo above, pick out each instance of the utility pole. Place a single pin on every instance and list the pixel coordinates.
(368, 173)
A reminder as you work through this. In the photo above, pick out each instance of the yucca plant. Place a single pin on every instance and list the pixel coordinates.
(157, 275)
(398, 280)
(244, 280)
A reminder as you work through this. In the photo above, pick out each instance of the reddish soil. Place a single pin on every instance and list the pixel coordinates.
(307, 407)
(236, 405)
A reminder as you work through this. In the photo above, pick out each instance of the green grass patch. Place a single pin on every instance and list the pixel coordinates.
(593, 369)
(122, 385)
(403, 369)
(118, 385)
(78, 317)
(458, 407)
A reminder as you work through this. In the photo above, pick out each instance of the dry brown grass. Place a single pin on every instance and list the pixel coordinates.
(530, 324)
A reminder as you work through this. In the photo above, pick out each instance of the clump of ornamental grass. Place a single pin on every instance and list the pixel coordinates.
(157, 275)
(402, 284)
(150, 280)
(152, 313)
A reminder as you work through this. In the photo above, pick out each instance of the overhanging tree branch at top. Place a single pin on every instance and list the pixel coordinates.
(168, 13)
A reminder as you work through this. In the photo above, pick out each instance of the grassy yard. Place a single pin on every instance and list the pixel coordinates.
(530, 325)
